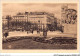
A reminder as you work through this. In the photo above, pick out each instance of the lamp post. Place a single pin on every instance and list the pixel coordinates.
(39, 23)
(45, 30)
(27, 22)
(8, 22)
(39, 26)
(16, 24)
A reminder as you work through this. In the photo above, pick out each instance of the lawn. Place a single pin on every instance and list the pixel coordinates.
(30, 44)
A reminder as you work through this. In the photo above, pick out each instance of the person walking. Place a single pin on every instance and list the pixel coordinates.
(6, 34)
(32, 31)
(38, 31)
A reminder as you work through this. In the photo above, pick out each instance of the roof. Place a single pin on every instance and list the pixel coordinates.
(36, 13)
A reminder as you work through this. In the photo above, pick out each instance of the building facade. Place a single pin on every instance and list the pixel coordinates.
(38, 19)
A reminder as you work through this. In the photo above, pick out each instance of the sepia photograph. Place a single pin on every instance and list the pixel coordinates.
(47, 26)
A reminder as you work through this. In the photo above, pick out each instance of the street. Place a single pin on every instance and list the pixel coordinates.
(35, 34)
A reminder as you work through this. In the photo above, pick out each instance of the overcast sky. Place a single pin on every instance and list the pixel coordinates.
(14, 8)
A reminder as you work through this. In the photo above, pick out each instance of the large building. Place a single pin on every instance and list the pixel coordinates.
(39, 18)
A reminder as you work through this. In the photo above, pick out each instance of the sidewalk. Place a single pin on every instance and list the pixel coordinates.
(24, 33)
(49, 34)
(60, 34)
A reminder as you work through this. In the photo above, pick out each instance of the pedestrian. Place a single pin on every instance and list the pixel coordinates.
(32, 31)
(6, 34)
(38, 31)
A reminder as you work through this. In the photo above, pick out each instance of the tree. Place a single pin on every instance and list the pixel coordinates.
(53, 25)
(8, 17)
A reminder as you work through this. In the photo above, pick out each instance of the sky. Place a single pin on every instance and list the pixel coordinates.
(14, 8)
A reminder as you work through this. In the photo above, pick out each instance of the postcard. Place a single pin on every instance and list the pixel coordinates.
(39, 27)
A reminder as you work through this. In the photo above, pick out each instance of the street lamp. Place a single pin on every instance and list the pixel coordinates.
(39, 23)
(27, 22)
(39, 26)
